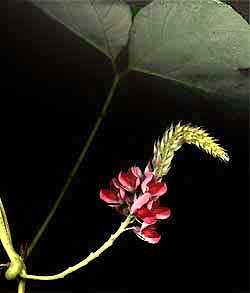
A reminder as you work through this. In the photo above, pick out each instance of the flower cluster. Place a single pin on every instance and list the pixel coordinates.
(138, 193)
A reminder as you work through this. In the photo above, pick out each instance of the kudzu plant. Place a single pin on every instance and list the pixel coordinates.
(197, 44)
(134, 194)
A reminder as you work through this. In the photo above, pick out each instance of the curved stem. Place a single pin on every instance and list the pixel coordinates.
(83, 263)
(72, 174)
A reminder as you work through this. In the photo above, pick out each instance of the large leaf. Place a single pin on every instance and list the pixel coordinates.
(199, 43)
(103, 23)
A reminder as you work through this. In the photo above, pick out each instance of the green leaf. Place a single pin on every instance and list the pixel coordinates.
(199, 43)
(103, 23)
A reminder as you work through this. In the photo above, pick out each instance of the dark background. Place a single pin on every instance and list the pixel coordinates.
(52, 89)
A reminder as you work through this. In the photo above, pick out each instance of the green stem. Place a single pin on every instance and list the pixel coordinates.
(72, 174)
(91, 257)
(16, 264)
(5, 236)
(21, 286)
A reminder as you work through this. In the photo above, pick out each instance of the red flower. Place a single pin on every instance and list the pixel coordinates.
(152, 186)
(139, 202)
(109, 196)
(130, 180)
(156, 212)
(151, 190)
(148, 233)
(113, 195)
(146, 215)
(138, 194)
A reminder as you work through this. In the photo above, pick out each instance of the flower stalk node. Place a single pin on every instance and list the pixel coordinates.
(15, 268)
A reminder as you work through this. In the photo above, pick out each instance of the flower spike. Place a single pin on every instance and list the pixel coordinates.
(174, 138)
(138, 194)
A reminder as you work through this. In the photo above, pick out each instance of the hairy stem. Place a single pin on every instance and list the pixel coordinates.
(84, 262)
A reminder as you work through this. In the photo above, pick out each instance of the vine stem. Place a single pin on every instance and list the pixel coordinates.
(16, 264)
(21, 286)
(5, 236)
(92, 255)
(72, 174)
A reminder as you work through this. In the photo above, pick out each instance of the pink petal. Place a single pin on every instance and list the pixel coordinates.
(158, 189)
(139, 202)
(148, 227)
(145, 182)
(148, 233)
(152, 237)
(130, 180)
(146, 215)
(150, 204)
(109, 196)
(136, 171)
(117, 186)
(162, 213)
(147, 169)
(115, 183)
(122, 194)
(124, 179)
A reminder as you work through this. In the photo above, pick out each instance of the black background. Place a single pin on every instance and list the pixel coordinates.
(52, 89)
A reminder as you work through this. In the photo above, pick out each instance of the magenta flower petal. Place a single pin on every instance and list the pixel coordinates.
(158, 189)
(123, 194)
(148, 169)
(139, 202)
(130, 180)
(148, 233)
(109, 196)
(117, 186)
(151, 185)
(162, 213)
(151, 236)
(136, 171)
(146, 215)
(115, 183)
(145, 225)
(145, 182)
(150, 204)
